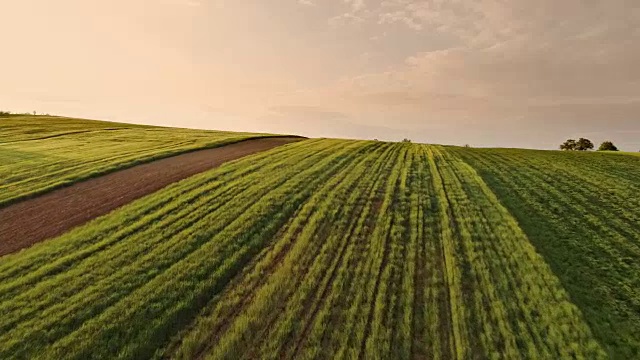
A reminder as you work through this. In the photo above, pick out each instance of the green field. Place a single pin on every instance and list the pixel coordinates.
(582, 213)
(40, 153)
(345, 249)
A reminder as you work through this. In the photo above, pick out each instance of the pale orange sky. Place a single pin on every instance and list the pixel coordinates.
(488, 72)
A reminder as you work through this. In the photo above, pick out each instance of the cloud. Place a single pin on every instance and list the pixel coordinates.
(356, 13)
(518, 54)
(356, 5)
(486, 22)
(345, 19)
(514, 76)
(378, 37)
(444, 70)
(400, 16)
(498, 69)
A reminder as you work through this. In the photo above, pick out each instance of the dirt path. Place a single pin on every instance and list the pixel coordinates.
(28, 222)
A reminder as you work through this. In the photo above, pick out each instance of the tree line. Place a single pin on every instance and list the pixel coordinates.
(583, 144)
(9, 113)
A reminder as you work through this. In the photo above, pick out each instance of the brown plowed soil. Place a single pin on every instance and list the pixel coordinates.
(28, 222)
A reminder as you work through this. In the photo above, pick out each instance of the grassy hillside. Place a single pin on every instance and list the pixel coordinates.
(582, 213)
(346, 249)
(39, 153)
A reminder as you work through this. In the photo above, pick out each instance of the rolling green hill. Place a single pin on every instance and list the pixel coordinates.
(582, 213)
(331, 248)
(40, 153)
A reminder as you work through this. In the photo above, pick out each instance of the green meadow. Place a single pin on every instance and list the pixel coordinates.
(325, 249)
(41, 153)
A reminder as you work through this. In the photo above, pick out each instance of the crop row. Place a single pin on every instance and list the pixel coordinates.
(501, 288)
(582, 212)
(72, 304)
(318, 249)
(294, 273)
(34, 159)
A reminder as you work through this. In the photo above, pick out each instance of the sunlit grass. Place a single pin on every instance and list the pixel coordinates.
(326, 249)
(39, 153)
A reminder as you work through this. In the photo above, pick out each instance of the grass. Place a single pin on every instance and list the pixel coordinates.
(582, 213)
(344, 249)
(41, 153)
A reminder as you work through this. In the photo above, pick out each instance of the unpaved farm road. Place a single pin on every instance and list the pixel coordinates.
(31, 221)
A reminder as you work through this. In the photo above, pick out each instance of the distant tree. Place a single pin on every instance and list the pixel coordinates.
(467, 145)
(406, 140)
(607, 146)
(584, 144)
(5, 113)
(569, 145)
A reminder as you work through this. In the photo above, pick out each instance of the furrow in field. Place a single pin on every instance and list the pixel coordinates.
(620, 168)
(164, 305)
(335, 249)
(501, 251)
(295, 328)
(414, 276)
(382, 320)
(55, 161)
(55, 213)
(436, 307)
(405, 338)
(135, 255)
(454, 327)
(596, 264)
(198, 237)
(592, 192)
(419, 267)
(324, 329)
(49, 257)
(518, 301)
(620, 242)
(216, 315)
(236, 311)
(310, 247)
(380, 247)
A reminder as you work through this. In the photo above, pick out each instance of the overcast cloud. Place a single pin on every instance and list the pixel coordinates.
(487, 72)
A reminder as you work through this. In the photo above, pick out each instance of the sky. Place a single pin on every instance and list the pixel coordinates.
(499, 73)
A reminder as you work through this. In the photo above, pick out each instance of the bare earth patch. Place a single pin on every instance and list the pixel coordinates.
(31, 221)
